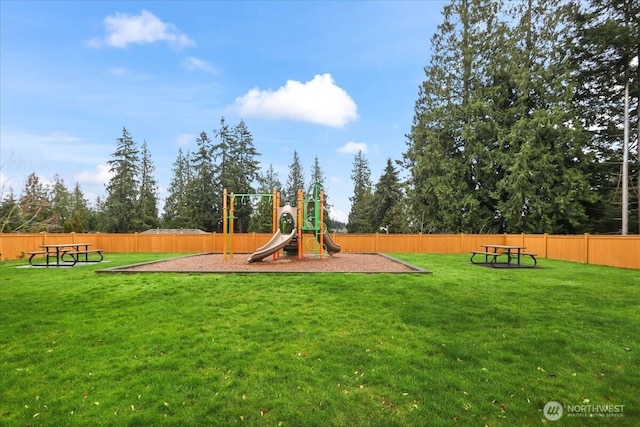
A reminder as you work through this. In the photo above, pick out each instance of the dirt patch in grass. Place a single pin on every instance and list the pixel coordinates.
(215, 263)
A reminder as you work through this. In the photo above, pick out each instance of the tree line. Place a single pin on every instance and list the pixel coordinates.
(227, 160)
(520, 125)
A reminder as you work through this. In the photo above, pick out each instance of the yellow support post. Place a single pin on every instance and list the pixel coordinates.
(300, 208)
(231, 214)
(224, 222)
(321, 225)
(274, 218)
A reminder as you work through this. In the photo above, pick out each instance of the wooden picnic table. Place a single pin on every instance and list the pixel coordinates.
(514, 254)
(65, 254)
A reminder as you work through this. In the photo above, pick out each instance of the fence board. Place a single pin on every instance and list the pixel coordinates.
(615, 251)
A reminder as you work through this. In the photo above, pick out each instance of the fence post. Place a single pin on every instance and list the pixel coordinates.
(586, 248)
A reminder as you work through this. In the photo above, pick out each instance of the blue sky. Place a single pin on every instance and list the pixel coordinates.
(324, 79)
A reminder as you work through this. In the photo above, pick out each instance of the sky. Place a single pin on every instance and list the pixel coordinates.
(325, 79)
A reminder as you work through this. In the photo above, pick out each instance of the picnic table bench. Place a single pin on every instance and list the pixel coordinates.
(494, 256)
(65, 255)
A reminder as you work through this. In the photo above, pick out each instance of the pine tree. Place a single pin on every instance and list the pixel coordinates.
(442, 145)
(203, 188)
(388, 202)
(360, 215)
(317, 176)
(608, 38)
(545, 182)
(60, 205)
(35, 206)
(147, 205)
(495, 144)
(262, 219)
(240, 172)
(122, 188)
(295, 181)
(176, 208)
(82, 216)
(11, 219)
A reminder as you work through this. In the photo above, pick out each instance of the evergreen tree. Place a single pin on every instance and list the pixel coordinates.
(545, 180)
(147, 206)
(437, 186)
(81, 213)
(122, 188)
(388, 202)
(100, 221)
(61, 207)
(608, 40)
(495, 144)
(317, 176)
(360, 216)
(35, 206)
(176, 207)
(238, 168)
(295, 181)
(262, 219)
(203, 188)
(11, 219)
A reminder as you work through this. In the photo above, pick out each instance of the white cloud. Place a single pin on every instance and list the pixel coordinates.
(123, 29)
(339, 215)
(117, 71)
(318, 101)
(195, 64)
(353, 147)
(100, 176)
(185, 139)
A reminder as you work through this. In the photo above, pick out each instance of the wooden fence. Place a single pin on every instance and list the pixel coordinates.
(615, 251)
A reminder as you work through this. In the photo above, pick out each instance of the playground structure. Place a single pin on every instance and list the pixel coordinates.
(307, 218)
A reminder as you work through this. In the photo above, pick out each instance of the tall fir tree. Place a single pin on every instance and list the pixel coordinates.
(262, 218)
(388, 202)
(61, 207)
(11, 219)
(545, 179)
(495, 144)
(176, 207)
(240, 172)
(295, 181)
(608, 43)
(203, 188)
(360, 215)
(35, 206)
(81, 213)
(147, 205)
(317, 177)
(122, 188)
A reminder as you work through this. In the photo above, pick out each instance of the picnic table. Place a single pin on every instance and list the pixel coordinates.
(513, 256)
(65, 254)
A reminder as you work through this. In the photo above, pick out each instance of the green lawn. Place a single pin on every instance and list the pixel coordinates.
(466, 345)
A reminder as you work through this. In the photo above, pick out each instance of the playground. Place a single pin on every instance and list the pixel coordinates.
(216, 263)
(296, 229)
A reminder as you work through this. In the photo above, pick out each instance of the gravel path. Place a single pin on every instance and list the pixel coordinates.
(215, 263)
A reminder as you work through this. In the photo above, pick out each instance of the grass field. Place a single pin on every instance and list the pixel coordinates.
(466, 345)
